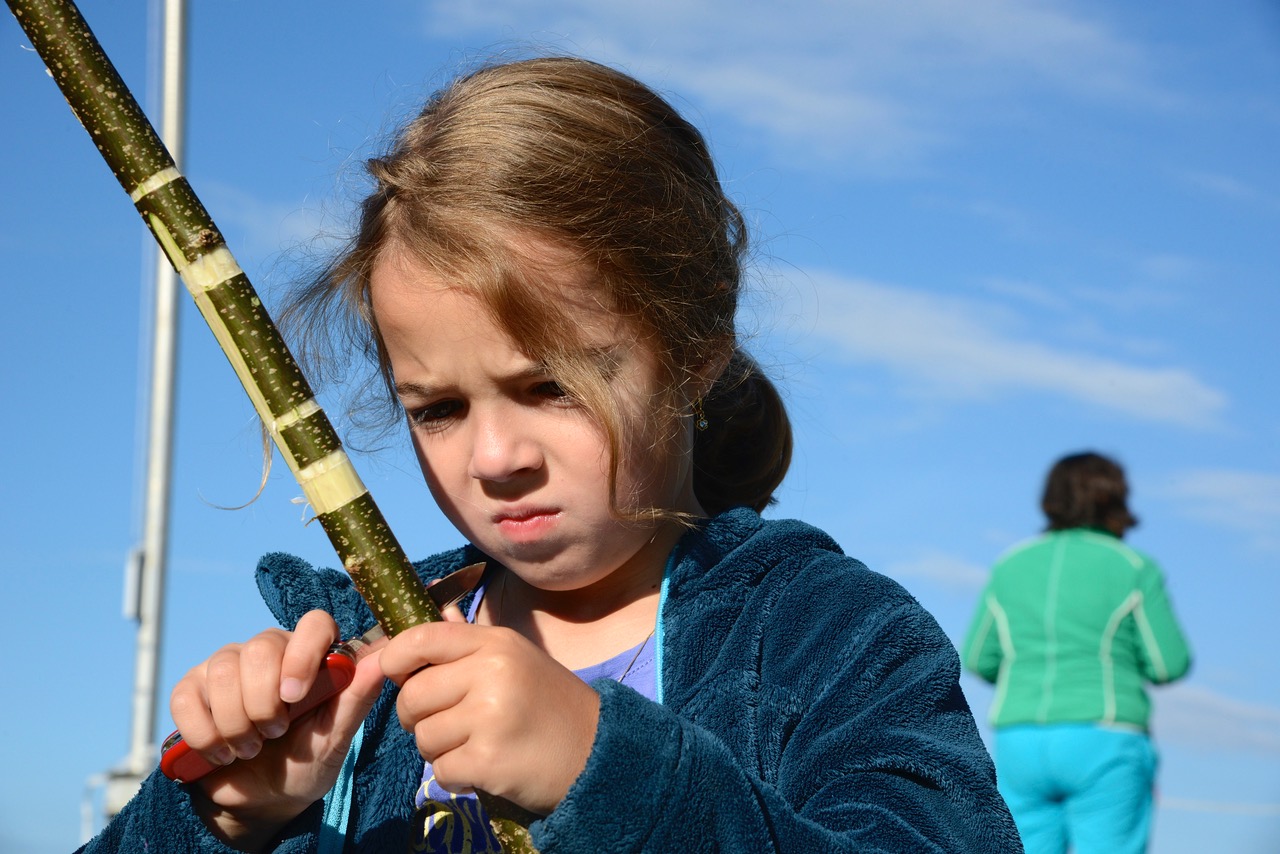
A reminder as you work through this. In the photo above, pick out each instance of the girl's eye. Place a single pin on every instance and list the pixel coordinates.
(551, 389)
(554, 394)
(434, 414)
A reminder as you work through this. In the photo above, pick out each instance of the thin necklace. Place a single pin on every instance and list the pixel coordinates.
(497, 621)
(639, 650)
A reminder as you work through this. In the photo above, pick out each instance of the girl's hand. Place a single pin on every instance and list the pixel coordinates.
(492, 711)
(233, 706)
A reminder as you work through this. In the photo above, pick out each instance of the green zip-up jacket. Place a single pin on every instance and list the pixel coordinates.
(1070, 627)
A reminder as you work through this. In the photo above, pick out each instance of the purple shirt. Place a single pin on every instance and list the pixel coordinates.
(451, 823)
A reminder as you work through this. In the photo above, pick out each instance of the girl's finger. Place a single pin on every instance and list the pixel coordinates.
(260, 683)
(226, 704)
(452, 778)
(311, 639)
(189, 706)
(433, 643)
(440, 734)
(453, 614)
(429, 692)
(353, 704)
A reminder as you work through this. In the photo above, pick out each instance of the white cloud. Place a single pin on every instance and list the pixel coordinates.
(963, 347)
(258, 229)
(1233, 189)
(1195, 716)
(1028, 292)
(1170, 267)
(940, 568)
(188, 565)
(1243, 501)
(862, 82)
(1200, 805)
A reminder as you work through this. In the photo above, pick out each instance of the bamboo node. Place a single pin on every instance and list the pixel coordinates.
(160, 179)
(211, 269)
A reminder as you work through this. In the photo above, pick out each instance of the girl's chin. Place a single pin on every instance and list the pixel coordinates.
(545, 566)
(528, 558)
(536, 556)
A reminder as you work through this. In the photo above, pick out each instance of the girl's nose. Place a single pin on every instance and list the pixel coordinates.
(502, 451)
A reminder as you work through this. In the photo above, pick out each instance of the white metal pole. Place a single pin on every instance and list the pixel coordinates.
(124, 781)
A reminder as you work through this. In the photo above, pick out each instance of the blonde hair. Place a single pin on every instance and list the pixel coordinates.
(584, 158)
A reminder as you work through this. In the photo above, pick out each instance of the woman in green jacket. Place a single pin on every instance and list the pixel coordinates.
(1070, 628)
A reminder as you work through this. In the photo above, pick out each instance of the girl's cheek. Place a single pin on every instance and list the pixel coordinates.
(432, 458)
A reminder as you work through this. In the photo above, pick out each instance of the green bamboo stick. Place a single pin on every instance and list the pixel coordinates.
(191, 241)
(281, 395)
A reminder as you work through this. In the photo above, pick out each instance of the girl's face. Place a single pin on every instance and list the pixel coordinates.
(516, 465)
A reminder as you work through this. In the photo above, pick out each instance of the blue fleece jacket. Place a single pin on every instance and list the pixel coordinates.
(807, 705)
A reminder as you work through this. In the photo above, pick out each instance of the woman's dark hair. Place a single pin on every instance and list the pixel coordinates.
(1087, 490)
(585, 159)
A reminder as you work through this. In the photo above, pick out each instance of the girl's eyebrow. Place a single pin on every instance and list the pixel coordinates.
(408, 389)
(426, 390)
(606, 359)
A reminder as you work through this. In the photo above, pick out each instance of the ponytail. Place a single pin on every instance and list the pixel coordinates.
(743, 454)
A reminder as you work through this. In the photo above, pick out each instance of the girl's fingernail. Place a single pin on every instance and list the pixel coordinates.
(274, 730)
(291, 690)
(248, 749)
(223, 756)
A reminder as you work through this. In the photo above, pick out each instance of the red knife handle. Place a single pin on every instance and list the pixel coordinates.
(179, 762)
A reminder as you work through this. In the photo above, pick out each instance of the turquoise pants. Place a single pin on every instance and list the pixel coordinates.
(1077, 785)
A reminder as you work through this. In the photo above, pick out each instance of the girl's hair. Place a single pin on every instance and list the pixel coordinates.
(582, 158)
(1087, 490)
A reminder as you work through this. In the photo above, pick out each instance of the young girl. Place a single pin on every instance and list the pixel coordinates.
(547, 272)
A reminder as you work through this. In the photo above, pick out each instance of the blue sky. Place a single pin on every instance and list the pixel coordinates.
(988, 233)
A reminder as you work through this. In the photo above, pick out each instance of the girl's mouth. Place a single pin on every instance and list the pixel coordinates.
(527, 525)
